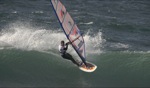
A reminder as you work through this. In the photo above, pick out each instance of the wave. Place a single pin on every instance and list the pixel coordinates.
(24, 36)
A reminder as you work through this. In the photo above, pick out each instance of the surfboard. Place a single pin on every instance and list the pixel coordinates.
(90, 68)
(71, 31)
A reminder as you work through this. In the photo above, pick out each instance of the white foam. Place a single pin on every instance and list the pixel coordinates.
(137, 52)
(38, 12)
(89, 23)
(14, 12)
(26, 37)
(94, 43)
(119, 45)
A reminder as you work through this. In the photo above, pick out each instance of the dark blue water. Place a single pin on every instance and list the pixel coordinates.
(117, 36)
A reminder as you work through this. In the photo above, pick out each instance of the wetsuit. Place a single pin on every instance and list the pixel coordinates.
(63, 49)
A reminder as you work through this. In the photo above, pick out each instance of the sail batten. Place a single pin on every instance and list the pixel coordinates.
(70, 28)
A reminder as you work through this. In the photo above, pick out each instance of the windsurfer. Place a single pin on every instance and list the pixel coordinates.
(63, 48)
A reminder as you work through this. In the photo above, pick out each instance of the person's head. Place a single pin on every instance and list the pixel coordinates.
(62, 43)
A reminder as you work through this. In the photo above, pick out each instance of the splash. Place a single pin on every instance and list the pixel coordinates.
(119, 45)
(26, 37)
(94, 43)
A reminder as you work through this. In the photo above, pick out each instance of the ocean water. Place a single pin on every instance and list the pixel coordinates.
(116, 32)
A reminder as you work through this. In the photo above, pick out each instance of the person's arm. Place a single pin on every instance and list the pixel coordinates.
(66, 47)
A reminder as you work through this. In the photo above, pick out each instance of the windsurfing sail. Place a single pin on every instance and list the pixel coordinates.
(70, 29)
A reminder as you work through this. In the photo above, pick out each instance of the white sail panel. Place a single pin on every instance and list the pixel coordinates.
(68, 23)
(61, 11)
